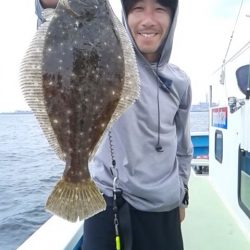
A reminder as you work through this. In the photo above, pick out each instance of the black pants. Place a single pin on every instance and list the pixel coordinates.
(139, 230)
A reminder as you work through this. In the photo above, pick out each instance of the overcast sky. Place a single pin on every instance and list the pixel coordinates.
(201, 39)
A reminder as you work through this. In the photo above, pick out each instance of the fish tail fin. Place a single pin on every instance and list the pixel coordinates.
(73, 201)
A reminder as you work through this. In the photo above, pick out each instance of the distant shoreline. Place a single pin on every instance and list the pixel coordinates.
(16, 113)
(199, 110)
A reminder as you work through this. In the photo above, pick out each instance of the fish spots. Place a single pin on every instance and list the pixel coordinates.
(69, 112)
(77, 25)
(55, 121)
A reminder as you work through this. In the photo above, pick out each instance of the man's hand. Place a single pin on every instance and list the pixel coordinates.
(182, 213)
(49, 3)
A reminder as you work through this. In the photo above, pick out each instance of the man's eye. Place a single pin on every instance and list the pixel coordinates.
(161, 9)
(138, 8)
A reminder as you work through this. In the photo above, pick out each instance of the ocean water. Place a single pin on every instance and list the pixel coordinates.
(28, 171)
(199, 121)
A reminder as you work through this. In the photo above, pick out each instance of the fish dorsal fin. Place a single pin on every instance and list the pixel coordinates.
(31, 85)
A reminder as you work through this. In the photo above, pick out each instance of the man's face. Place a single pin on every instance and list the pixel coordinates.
(149, 24)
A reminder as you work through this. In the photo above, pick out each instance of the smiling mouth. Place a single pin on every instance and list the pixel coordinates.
(148, 35)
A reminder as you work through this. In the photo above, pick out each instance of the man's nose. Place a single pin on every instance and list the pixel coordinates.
(148, 18)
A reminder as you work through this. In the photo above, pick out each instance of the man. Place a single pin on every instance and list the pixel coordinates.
(150, 143)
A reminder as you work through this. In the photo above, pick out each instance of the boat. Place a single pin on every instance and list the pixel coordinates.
(200, 161)
(218, 217)
(229, 133)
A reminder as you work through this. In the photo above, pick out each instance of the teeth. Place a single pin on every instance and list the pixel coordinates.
(147, 35)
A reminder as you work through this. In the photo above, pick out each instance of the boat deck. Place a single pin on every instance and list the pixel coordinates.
(208, 224)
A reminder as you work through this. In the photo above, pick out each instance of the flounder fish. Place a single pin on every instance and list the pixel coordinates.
(78, 76)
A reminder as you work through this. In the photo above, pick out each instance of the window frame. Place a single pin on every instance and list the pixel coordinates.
(242, 205)
(218, 157)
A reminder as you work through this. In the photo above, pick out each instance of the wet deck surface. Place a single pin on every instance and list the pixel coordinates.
(208, 224)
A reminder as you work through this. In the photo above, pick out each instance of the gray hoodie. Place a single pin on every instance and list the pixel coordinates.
(150, 180)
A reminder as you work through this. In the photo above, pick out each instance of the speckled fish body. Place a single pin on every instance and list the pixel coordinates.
(78, 76)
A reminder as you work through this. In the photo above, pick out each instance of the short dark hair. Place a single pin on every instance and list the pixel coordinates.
(172, 4)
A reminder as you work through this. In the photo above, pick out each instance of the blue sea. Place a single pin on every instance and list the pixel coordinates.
(28, 171)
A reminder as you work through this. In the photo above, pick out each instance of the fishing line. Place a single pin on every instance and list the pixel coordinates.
(232, 35)
(229, 45)
(116, 193)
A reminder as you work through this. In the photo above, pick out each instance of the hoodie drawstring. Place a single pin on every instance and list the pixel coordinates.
(158, 146)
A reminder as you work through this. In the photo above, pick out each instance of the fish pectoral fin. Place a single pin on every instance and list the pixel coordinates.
(75, 201)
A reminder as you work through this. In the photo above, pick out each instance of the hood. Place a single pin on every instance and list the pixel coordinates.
(166, 47)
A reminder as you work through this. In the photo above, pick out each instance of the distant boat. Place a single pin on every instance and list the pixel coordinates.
(201, 107)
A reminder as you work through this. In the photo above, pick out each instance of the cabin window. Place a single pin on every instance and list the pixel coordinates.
(218, 145)
(244, 181)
